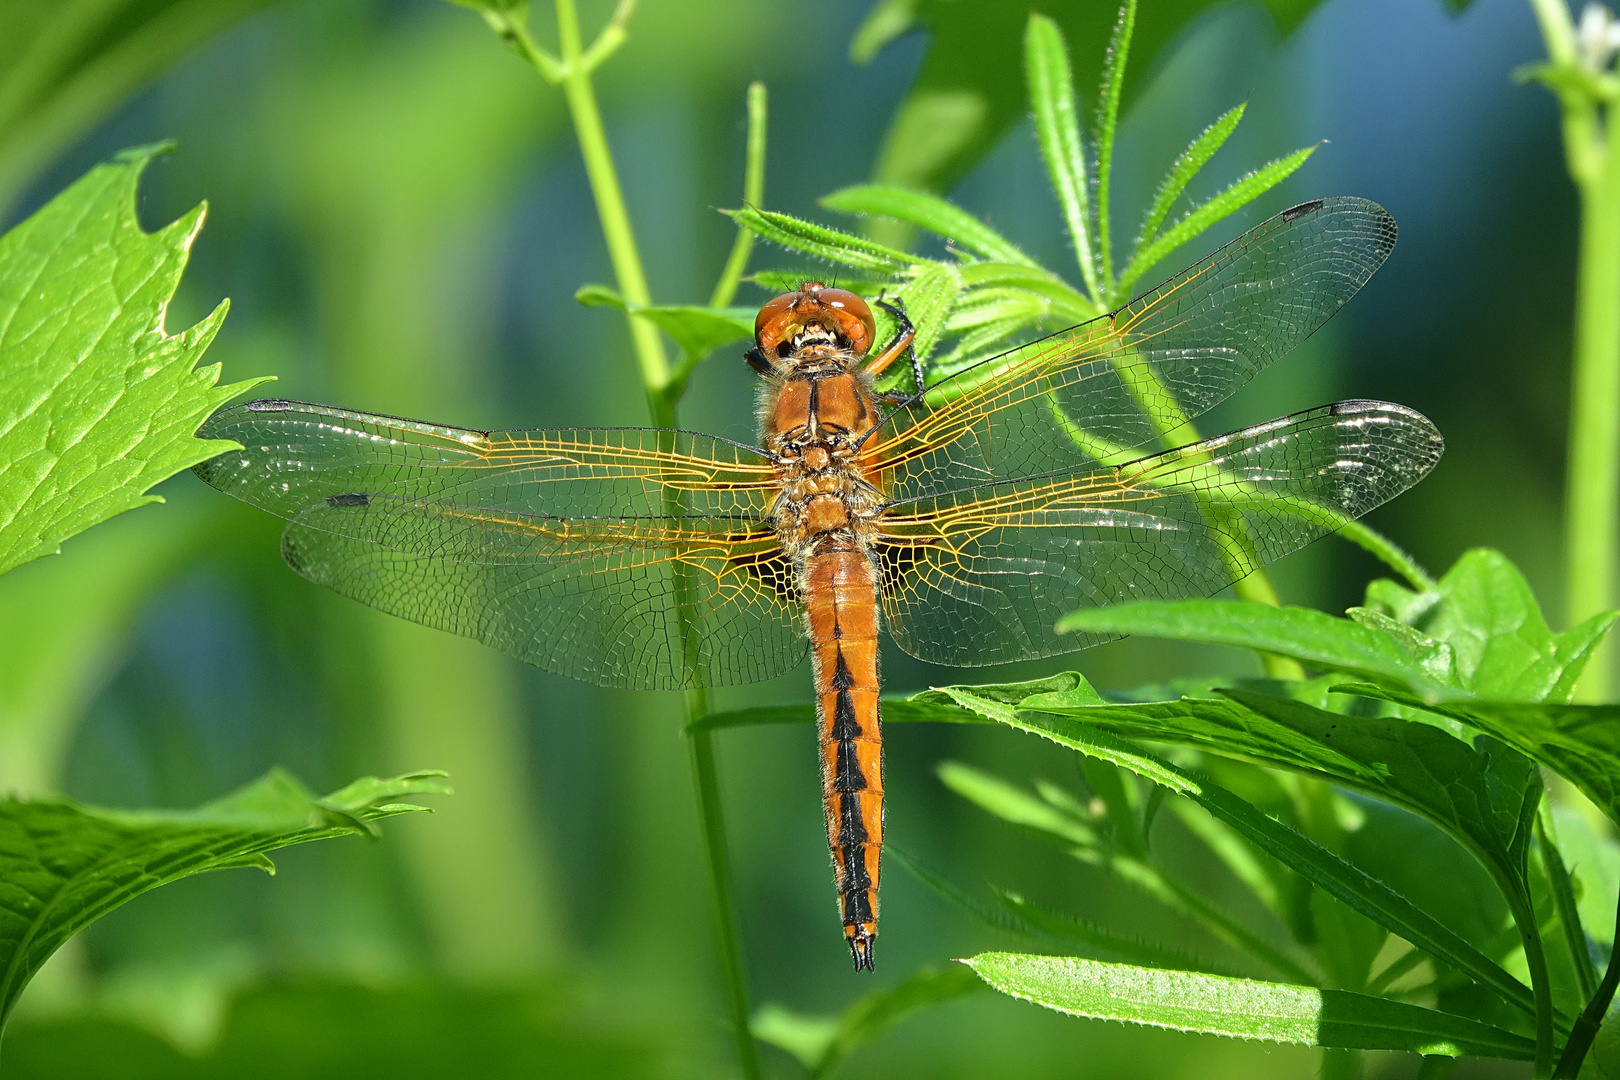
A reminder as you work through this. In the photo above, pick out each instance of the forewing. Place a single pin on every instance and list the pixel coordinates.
(625, 557)
(1092, 393)
(980, 576)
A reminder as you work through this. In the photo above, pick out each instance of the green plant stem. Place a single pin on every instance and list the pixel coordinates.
(705, 776)
(610, 209)
(725, 290)
(572, 71)
(1592, 483)
(1586, 1025)
(1535, 957)
(1389, 553)
(1563, 894)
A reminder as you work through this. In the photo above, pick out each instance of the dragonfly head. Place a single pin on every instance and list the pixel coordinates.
(837, 313)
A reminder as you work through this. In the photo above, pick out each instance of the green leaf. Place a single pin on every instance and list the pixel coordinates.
(1485, 796)
(1101, 943)
(888, 20)
(697, 331)
(1317, 865)
(929, 212)
(64, 865)
(1312, 637)
(1113, 86)
(1581, 743)
(967, 93)
(1188, 165)
(1495, 628)
(1057, 129)
(823, 1043)
(1241, 1008)
(929, 299)
(820, 242)
(1238, 195)
(97, 402)
(65, 66)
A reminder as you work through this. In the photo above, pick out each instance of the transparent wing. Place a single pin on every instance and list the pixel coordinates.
(577, 551)
(980, 576)
(1094, 392)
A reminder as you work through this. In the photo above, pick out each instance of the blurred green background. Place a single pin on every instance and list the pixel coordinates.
(400, 217)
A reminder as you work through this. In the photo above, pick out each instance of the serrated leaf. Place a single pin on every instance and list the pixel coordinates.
(97, 401)
(820, 242)
(1322, 868)
(1057, 130)
(63, 865)
(1578, 742)
(1485, 796)
(1184, 168)
(1236, 196)
(929, 212)
(1312, 637)
(823, 1043)
(1241, 1008)
(1503, 647)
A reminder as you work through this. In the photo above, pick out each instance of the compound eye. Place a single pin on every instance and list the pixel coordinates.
(857, 324)
(774, 322)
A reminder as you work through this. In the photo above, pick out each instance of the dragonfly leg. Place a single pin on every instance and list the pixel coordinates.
(900, 346)
(759, 361)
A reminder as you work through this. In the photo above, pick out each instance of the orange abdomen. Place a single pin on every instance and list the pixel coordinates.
(840, 594)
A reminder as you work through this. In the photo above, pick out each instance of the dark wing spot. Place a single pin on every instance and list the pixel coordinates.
(1295, 212)
(353, 498)
(269, 405)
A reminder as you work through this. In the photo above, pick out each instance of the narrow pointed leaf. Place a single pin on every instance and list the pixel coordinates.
(1310, 860)
(98, 401)
(1217, 209)
(1241, 1008)
(1113, 87)
(928, 212)
(1188, 165)
(821, 242)
(64, 865)
(1057, 129)
(1312, 637)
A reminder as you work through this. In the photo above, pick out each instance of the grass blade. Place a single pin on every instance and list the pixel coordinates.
(824, 243)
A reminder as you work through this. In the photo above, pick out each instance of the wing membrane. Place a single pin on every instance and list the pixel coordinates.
(556, 547)
(980, 576)
(1088, 394)
(297, 454)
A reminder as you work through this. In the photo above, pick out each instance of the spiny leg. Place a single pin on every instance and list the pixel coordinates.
(901, 345)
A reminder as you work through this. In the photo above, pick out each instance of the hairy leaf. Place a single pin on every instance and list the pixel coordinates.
(64, 865)
(1057, 129)
(97, 401)
(821, 242)
(1241, 1008)
(1184, 168)
(928, 212)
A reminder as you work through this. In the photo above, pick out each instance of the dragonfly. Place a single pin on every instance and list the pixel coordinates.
(964, 518)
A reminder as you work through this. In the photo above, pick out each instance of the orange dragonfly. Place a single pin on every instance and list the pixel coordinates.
(965, 519)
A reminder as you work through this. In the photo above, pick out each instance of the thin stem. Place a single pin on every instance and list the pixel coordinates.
(705, 778)
(1256, 588)
(1592, 484)
(610, 209)
(725, 290)
(572, 70)
(1591, 1018)
(1389, 553)
(1535, 957)
(1563, 894)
